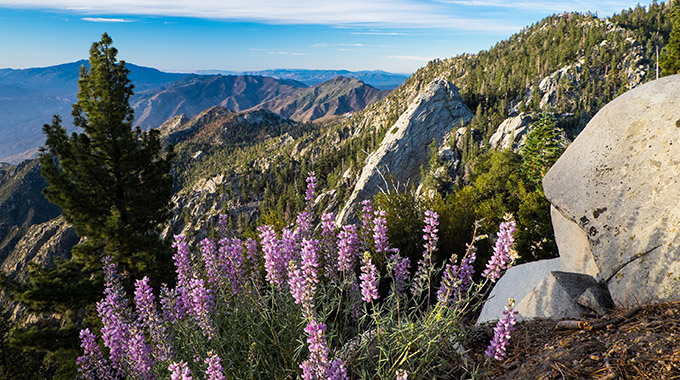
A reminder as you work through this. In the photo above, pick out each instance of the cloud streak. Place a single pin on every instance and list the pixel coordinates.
(605, 7)
(376, 13)
(104, 19)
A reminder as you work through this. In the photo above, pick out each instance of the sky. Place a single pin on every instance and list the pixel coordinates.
(246, 35)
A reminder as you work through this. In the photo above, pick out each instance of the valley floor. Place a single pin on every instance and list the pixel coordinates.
(641, 343)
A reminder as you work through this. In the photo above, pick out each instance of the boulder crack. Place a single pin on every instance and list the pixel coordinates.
(640, 255)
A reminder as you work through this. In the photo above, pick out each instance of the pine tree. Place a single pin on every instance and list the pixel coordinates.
(669, 62)
(112, 182)
(542, 149)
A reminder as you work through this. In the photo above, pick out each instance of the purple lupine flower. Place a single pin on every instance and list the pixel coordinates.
(430, 236)
(200, 306)
(337, 370)
(148, 316)
(140, 355)
(296, 282)
(450, 284)
(369, 280)
(380, 232)
(182, 261)
(401, 374)
(501, 258)
(92, 364)
(212, 268)
(310, 266)
(501, 333)
(214, 370)
(310, 193)
(328, 244)
(112, 310)
(402, 267)
(316, 366)
(233, 263)
(467, 269)
(457, 280)
(271, 247)
(304, 224)
(366, 232)
(172, 304)
(223, 220)
(179, 371)
(252, 254)
(348, 245)
(425, 263)
(303, 281)
(289, 245)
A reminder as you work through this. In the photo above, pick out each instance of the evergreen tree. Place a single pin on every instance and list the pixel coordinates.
(113, 185)
(542, 149)
(111, 181)
(670, 55)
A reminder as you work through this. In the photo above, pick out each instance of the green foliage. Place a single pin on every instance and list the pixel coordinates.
(543, 147)
(111, 181)
(669, 61)
(496, 187)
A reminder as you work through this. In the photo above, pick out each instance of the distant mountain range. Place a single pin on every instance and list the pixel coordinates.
(376, 78)
(29, 97)
(289, 98)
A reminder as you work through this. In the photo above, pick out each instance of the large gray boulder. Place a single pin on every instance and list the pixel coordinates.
(565, 295)
(403, 150)
(516, 283)
(618, 185)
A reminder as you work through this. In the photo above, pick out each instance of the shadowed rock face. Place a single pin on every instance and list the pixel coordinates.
(618, 183)
(437, 110)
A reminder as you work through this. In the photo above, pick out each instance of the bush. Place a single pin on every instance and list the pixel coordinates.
(303, 302)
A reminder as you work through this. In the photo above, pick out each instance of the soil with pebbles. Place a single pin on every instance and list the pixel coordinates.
(640, 343)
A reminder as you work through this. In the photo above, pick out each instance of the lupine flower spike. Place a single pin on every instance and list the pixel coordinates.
(501, 333)
(179, 371)
(369, 279)
(214, 370)
(502, 257)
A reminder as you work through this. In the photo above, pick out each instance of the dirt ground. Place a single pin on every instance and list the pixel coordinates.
(640, 343)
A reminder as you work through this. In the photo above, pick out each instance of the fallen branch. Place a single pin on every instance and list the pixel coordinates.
(585, 325)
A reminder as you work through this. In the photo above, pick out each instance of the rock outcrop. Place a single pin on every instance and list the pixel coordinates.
(437, 110)
(511, 133)
(618, 183)
(42, 244)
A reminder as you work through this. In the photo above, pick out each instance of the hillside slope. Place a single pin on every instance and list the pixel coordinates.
(335, 97)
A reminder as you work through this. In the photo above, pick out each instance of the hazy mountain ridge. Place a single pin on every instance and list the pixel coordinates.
(376, 78)
(195, 93)
(337, 96)
(30, 97)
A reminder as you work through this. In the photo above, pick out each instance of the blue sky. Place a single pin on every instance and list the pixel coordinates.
(391, 35)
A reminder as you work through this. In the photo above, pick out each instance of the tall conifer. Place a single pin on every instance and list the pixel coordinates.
(112, 181)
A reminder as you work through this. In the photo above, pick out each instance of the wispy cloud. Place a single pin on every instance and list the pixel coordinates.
(606, 7)
(403, 14)
(284, 53)
(105, 19)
